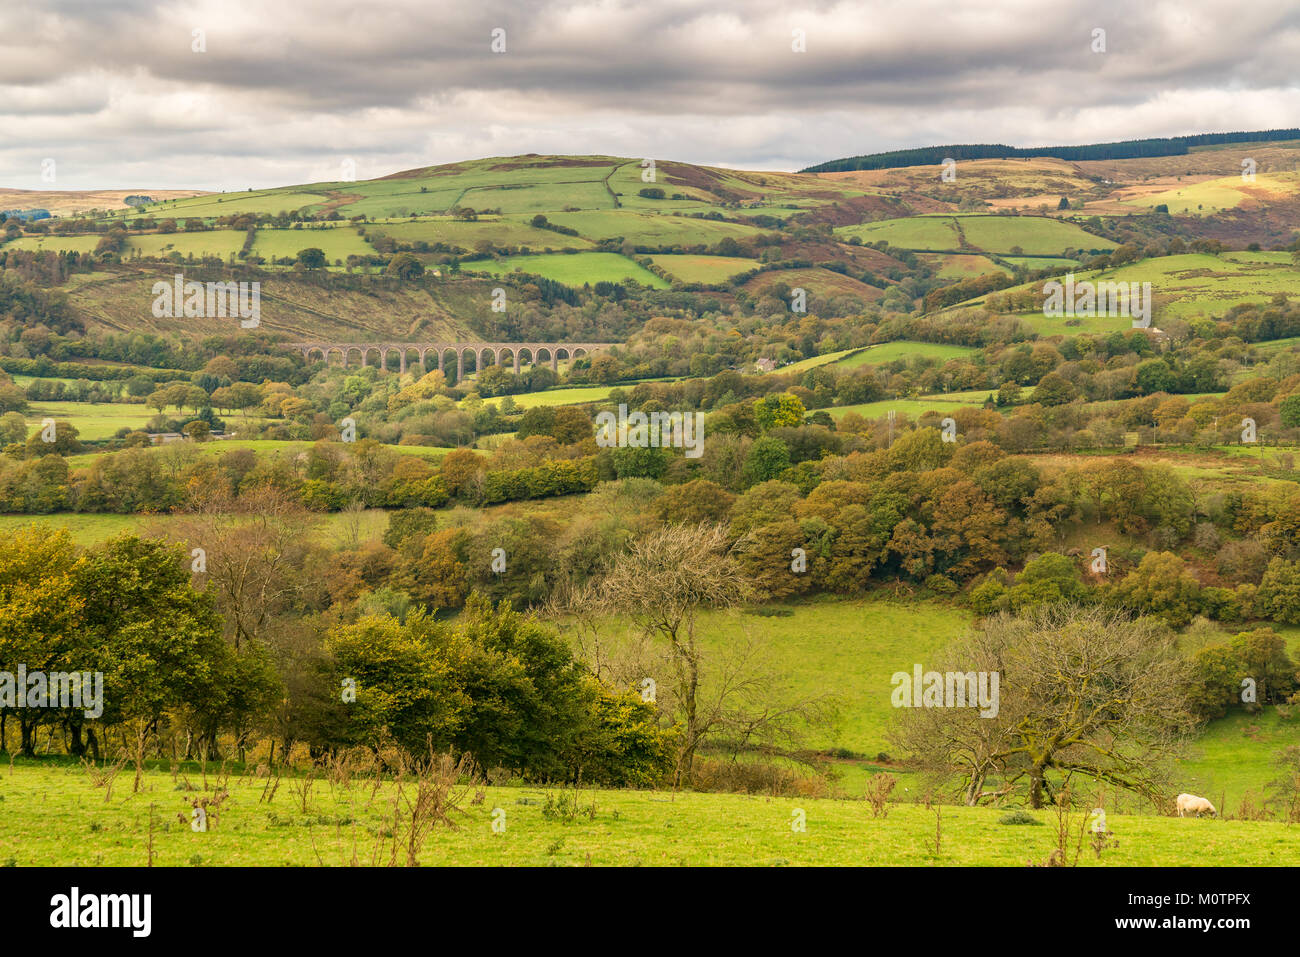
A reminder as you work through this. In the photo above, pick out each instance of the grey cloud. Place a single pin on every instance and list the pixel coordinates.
(115, 89)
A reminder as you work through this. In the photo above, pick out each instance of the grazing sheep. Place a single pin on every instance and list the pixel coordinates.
(1191, 804)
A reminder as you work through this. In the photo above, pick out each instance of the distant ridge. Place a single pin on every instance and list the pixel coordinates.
(1125, 149)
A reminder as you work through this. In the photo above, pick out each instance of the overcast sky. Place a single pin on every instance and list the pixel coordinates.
(115, 94)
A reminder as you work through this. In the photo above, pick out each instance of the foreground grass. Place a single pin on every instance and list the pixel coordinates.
(53, 814)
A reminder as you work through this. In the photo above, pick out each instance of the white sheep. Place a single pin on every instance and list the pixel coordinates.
(1191, 804)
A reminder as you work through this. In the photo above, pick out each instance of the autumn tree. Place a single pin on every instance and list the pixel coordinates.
(158, 642)
(664, 582)
(1161, 585)
(1081, 691)
(39, 608)
(250, 547)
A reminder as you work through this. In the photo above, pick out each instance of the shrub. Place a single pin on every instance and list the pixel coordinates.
(941, 585)
(1020, 817)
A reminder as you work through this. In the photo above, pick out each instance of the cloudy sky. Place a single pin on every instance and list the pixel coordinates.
(116, 93)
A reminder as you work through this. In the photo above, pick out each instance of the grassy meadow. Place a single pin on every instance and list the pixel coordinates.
(1022, 235)
(92, 420)
(893, 351)
(823, 283)
(54, 813)
(573, 269)
(914, 407)
(1184, 286)
(703, 269)
(961, 266)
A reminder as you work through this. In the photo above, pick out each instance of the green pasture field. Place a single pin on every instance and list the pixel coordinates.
(1040, 262)
(501, 171)
(541, 198)
(803, 365)
(847, 649)
(484, 184)
(1222, 468)
(89, 529)
(1077, 325)
(961, 266)
(86, 529)
(913, 232)
(498, 231)
(879, 355)
(776, 194)
(23, 381)
(570, 396)
(55, 815)
(704, 269)
(1035, 235)
(71, 244)
(649, 229)
(338, 242)
(914, 407)
(216, 242)
(1202, 284)
(1187, 285)
(1276, 345)
(433, 190)
(230, 204)
(272, 445)
(892, 351)
(576, 269)
(1276, 257)
(408, 202)
(817, 282)
(92, 420)
(1208, 285)
(1216, 195)
(627, 183)
(1233, 757)
(574, 191)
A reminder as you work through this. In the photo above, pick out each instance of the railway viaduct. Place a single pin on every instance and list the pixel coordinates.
(537, 352)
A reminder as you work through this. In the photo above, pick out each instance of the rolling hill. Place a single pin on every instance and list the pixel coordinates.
(845, 235)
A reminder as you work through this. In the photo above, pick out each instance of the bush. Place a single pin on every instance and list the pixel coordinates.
(712, 775)
(1020, 817)
(941, 585)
